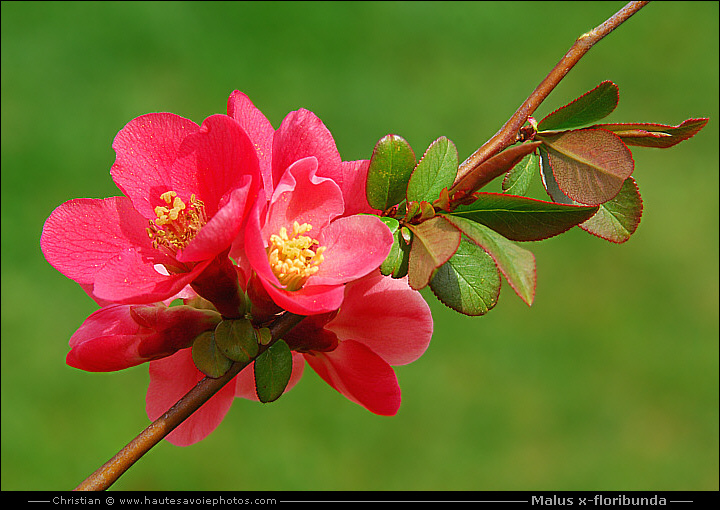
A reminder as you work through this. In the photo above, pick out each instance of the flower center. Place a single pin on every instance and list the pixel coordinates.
(295, 257)
(177, 224)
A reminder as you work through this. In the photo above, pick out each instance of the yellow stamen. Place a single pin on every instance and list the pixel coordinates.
(295, 257)
(176, 224)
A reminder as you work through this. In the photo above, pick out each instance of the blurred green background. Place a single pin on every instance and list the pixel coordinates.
(609, 381)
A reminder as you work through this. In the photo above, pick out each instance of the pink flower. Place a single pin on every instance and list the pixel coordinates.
(304, 238)
(121, 336)
(301, 134)
(381, 322)
(188, 189)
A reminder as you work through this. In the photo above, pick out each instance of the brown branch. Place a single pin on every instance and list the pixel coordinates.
(507, 135)
(109, 472)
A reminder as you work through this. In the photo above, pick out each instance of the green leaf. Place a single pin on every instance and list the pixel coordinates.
(434, 242)
(494, 167)
(469, 282)
(586, 109)
(207, 356)
(264, 336)
(521, 218)
(435, 170)
(272, 371)
(616, 219)
(517, 264)
(518, 179)
(659, 136)
(589, 165)
(396, 263)
(236, 339)
(391, 164)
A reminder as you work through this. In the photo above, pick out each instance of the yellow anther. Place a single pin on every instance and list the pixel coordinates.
(176, 224)
(295, 257)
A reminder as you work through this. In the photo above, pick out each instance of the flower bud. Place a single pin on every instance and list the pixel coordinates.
(121, 336)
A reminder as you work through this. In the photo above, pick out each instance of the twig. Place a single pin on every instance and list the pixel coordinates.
(109, 472)
(507, 135)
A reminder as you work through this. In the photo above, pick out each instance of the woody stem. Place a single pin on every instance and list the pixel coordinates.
(109, 472)
(507, 135)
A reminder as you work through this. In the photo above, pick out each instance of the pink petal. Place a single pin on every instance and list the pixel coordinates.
(88, 287)
(255, 244)
(223, 156)
(106, 354)
(360, 375)
(354, 177)
(300, 135)
(146, 149)
(245, 380)
(308, 300)
(222, 229)
(106, 341)
(170, 379)
(385, 314)
(109, 320)
(82, 235)
(121, 336)
(302, 196)
(258, 129)
(354, 246)
(130, 277)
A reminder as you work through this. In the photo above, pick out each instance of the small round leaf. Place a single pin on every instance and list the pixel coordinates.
(236, 340)
(207, 356)
(272, 371)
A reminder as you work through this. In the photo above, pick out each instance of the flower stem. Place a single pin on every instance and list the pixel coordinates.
(507, 135)
(109, 472)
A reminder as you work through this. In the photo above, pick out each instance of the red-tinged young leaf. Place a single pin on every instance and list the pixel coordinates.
(435, 170)
(443, 202)
(272, 371)
(589, 165)
(434, 242)
(517, 264)
(391, 164)
(659, 136)
(207, 356)
(427, 211)
(616, 219)
(518, 179)
(521, 218)
(586, 109)
(469, 282)
(494, 167)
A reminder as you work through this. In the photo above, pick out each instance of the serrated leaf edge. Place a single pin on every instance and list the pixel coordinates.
(497, 295)
(617, 91)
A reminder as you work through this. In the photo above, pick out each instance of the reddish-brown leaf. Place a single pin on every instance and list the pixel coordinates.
(434, 242)
(660, 136)
(589, 165)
